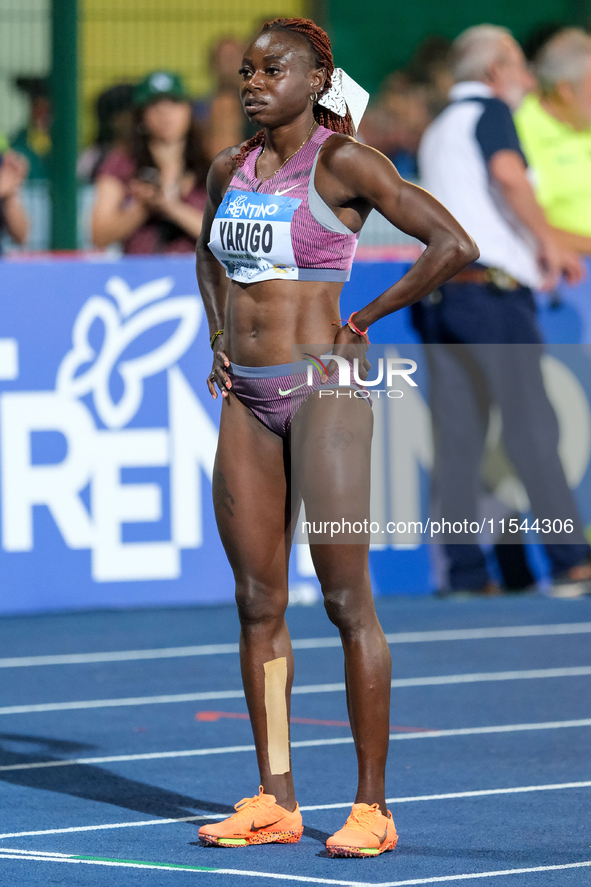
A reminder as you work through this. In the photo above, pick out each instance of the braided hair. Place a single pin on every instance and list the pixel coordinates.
(322, 52)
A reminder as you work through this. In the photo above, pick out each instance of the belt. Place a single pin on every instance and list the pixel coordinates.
(495, 276)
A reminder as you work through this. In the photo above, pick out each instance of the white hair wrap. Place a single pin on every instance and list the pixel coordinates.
(344, 94)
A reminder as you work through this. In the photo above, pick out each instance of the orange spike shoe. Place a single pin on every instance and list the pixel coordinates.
(367, 832)
(257, 820)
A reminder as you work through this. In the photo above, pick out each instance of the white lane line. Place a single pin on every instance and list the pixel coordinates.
(473, 678)
(33, 852)
(110, 825)
(131, 700)
(41, 857)
(398, 683)
(307, 743)
(305, 809)
(401, 637)
(120, 655)
(149, 756)
(478, 677)
(472, 876)
(480, 793)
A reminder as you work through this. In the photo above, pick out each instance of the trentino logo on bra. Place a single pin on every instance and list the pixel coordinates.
(249, 205)
(251, 236)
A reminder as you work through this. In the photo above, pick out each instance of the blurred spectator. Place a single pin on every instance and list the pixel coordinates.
(538, 37)
(554, 127)
(409, 100)
(34, 140)
(221, 114)
(13, 172)
(151, 197)
(396, 121)
(471, 160)
(431, 66)
(114, 112)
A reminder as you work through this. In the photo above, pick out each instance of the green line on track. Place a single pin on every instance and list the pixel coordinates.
(162, 865)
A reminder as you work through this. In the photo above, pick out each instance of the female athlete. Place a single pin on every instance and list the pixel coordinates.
(283, 213)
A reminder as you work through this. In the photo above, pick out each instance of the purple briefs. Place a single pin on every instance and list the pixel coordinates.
(274, 394)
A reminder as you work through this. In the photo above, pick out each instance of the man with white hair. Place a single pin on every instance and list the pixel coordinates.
(554, 127)
(471, 159)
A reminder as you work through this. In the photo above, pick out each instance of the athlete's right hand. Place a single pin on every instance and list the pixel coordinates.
(218, 375)
(349, 345)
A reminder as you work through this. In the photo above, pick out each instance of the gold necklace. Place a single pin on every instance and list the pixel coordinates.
(266, 179)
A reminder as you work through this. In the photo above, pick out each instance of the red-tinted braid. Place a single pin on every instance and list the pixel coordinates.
(320, 44)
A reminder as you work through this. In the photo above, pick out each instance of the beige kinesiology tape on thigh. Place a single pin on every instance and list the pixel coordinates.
(276, 709)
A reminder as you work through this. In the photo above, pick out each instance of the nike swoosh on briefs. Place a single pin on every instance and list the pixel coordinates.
(279, 193)
(289, 390)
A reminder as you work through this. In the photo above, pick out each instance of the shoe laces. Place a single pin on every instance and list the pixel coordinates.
(245, 803)
(361, 820)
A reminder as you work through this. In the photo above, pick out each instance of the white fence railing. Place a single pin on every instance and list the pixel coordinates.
(377, 231)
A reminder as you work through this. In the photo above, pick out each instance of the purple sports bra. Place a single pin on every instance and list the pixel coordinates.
(281, 228)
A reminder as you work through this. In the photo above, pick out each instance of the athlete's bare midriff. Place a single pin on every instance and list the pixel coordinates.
(265, 321)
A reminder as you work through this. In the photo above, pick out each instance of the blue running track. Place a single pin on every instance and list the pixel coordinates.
(122, 732)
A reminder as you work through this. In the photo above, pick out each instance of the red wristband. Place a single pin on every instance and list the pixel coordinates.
(353, 328)
(362, 333)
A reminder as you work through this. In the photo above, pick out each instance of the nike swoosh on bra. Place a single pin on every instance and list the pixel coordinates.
(280, 193)
(289, 390)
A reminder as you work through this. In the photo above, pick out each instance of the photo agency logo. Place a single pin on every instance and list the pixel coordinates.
(390, 370)
(404, 455)
(119, 341)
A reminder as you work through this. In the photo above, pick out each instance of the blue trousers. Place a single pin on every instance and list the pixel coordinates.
(465, 380)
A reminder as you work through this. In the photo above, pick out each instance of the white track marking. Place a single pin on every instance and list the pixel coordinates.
(33, 852)
(307, 743)
(398, 683)
(403, 637)
(452, 795)
(42, 857)
(149, 756)
(472, 876)
(478, 677)
(110, 825)
(132, 700)
(306, 809)
(118, 655)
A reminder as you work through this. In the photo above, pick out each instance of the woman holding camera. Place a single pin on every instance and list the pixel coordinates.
(151, 198)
